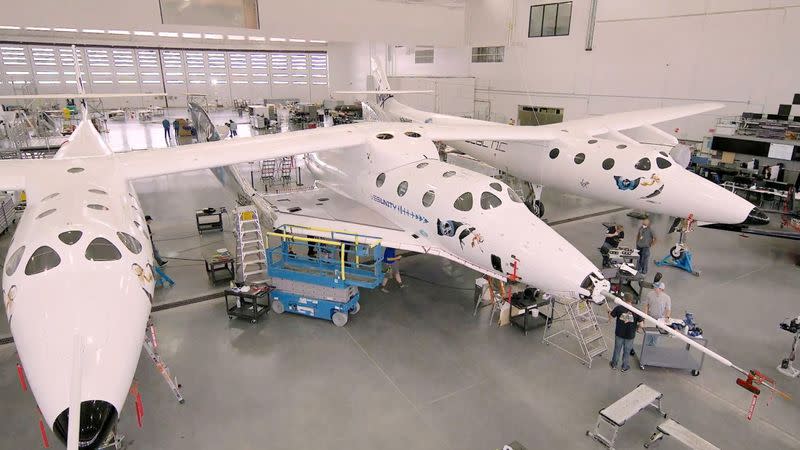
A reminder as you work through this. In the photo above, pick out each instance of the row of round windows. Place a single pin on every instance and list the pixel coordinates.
(464, 202)
(608, 163)
(45, 257)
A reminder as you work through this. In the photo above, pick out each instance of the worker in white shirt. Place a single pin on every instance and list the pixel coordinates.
(658, 305)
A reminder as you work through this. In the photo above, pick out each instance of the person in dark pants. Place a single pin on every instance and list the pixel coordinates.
(390, 258)
(644, 240)
(614, 235)
(165, 123)
(156, 255)
(177, 126)
(626, 325)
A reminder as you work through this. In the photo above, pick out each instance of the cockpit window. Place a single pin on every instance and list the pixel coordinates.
(422, 165)
(402, 188)
(428, 198)
(97, 207)
(53, 195)
(43, 258)
(98, 191)
(643, 164)
(130, 242)
(14, 261)
(662, 163)
(380, 180)
(46, 213)
(101, 249)
(496, 187)
(70, 237)
(449, 174)
(464, 202)
(514, 196)
(490, 201)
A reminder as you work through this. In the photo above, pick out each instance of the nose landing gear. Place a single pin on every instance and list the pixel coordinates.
(532, 200)
(679, 255)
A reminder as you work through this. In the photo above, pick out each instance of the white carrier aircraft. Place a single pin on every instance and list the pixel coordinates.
(78, 280)
(618, 158)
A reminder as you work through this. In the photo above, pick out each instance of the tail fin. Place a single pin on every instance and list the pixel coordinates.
(379, 76)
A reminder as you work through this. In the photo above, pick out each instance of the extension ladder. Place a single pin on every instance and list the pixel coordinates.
(251, 263)
(581, 324)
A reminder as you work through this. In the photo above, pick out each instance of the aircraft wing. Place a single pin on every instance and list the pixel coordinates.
(76, 95)
(322, 208)
(631, 120)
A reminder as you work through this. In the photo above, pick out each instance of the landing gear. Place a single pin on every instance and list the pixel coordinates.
(532, 200)
(679, 255)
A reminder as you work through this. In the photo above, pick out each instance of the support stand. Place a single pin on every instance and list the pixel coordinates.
(679, 255)
(151, 346)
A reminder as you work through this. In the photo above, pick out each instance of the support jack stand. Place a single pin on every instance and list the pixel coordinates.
(679, 255)
(786, 367)
(151, 346)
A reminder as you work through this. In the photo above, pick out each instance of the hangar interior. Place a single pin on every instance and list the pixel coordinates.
(420, 365)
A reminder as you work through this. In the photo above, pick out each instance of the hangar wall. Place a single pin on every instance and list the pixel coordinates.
(645, 54)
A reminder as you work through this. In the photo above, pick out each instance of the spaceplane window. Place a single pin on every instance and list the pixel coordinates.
(43, 258)
(579, 158)
(662, 163)
(428, 198)
(463, 202)
(130, 242)
(490, 201)
(101, 249)
(496, 187)
(14, 261)
(402, 188)
(608, 164)
(70, 237)
(643, 164)
(379, 181)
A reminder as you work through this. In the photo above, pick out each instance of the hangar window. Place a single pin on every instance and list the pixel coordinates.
(14, 261)
(101, 249)
(422, 165)
(643, 164)
(98, 207)
(449, 174)
(579, 158)
(550, 20)
(130, 242)
(514, 196)
(380, 180)
(412, 134)
(662, 163)
(423, 55)
(70, 237)
(402, 188)
(464, 202)
(428, 198)
(46, 213)
(98, 191)
(554, 153)
(488, 54)
(496, 187)
(608, 163)
(384, 136)
(43, 258)
(490, 201)
(53, 195)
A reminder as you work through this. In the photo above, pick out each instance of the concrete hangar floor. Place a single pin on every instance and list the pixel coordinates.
(415, 369)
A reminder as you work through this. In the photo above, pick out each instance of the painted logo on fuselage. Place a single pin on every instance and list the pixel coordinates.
(400, 209)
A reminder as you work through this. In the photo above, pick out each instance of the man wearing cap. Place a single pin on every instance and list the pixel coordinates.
(657, 305)
(160, 261)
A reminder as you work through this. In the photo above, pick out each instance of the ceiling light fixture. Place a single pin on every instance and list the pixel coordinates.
(192, 35)
(118, 32)
(213, 36)
(235, 37)
(8, 27)
(317, 41)
(144, 33)
(297, 40)
(277, 39)
(92, 30)
(167, 34)
(37, 28)
(66, 30)
(257, 38)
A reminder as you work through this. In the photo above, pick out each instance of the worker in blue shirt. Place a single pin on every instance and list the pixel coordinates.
(177, 126)
(390, 258)
(165, 123)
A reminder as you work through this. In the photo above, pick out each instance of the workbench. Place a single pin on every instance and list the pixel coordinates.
(209, 219)
(246, 304)
(527, 320)
(670, 352)
(216, 264)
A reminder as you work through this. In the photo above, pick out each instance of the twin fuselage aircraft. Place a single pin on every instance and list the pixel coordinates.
(83, 231)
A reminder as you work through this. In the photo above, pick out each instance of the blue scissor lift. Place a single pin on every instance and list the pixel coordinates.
(317, 272)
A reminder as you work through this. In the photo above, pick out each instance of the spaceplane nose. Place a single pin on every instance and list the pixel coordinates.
(756, 217)
(97, 417)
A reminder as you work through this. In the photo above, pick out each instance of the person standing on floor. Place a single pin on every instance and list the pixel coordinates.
(626, 325)
(165, 123)
(644, 240)
(390, 258)
(658, 305)
(156, 255)
(232, 126)
(177, 126)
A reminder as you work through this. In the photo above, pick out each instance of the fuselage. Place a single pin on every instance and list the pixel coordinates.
(79, 269)
(624, 173)
(470, 215)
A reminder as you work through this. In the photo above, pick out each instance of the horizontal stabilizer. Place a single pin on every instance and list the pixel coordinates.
(76, 95)
(383, 92)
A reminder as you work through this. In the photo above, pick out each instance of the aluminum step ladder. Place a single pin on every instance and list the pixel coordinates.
(251, 263)
(574, 317)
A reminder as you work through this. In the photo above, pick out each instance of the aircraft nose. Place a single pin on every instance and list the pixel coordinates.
(97, 421)
(756, 217)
